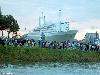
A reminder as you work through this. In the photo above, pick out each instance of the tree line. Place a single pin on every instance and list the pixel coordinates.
(8, 23)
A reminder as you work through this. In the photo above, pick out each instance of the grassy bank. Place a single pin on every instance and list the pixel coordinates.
(16, 55)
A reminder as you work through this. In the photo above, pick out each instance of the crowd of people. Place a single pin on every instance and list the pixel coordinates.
(50, 44)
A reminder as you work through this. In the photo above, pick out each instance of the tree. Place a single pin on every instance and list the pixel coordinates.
(2, 23)
(12, 25)
(7, 22)
(0, 12)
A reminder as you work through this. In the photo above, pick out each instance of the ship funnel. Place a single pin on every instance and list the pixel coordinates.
(39, 21)
(42, 15)
(44, 20)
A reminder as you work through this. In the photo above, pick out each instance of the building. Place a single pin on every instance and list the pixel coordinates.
(91, 37)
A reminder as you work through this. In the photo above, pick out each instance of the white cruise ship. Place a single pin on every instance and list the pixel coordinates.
(58, 31)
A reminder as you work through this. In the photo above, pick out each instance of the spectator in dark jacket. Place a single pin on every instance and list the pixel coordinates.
(2, 42)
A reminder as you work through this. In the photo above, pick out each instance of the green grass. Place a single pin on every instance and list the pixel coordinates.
(21, 55)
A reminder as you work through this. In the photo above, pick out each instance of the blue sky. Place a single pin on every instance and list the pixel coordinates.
(85, 14)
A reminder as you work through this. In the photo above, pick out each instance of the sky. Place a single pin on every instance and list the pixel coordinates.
(83, 15)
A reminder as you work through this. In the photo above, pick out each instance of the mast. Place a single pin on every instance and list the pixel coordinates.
(60, 19)
(68, 25)
(42, 19)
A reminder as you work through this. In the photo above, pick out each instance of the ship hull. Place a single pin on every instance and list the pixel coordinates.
(62, 36)
(58, 36)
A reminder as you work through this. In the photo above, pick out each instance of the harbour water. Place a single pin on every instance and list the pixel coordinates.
(51, 69)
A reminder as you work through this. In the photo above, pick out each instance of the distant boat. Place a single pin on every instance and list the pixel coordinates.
(58, 31)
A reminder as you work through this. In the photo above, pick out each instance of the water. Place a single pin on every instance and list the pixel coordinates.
(51, 69)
